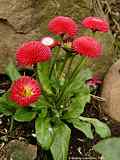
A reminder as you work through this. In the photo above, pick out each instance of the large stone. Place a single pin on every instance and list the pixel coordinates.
(101, 65)
(18, 150)
(111, 92)
(18, 14)
(24, 20)
(9, 42)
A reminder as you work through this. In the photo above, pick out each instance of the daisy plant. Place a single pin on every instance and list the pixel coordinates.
(56, 95)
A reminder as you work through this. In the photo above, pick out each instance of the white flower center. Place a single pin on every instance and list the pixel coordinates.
(47, 41)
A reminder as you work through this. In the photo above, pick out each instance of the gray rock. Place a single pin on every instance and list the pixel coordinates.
(18, 14)
(24, 20)
(18, 150)
(111, 92)
(101, 65)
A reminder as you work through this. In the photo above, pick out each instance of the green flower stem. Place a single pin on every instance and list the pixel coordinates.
(35, 70)
(73, 75)
(63, 65)
(77, 68)
(93, 33)
(69, 67)
(53, 62)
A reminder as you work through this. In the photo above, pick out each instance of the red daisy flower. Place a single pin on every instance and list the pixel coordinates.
(63, 25)
(87, 46)
(96, 24)
(32, 52)
(94, 81)
(50, 42)
(25, 91)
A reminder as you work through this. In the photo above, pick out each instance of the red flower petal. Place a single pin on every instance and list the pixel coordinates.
(32, 52)
(63, 25)
(25, 91)
(87, 46)
(96, 24)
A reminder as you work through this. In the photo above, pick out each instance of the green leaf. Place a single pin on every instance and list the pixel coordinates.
(85, 127)
(77, 87)
(44, 132)
(74, 110)
(109, 148)
(101, 128)
(42, 70)
(78, 103)
(60, 144)
(57, 37)
(41, 107)
(84, 95)
(7, 107)
(12, 72)
(5, 111)
(40, 104)
(80, 79)
(24, 115)
(85, 74)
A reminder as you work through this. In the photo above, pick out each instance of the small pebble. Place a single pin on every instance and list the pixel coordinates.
(0, 121)
(5, 130)
(1, 115)
(79, 150)
(34, 135)
(21, 138)
(4, 138)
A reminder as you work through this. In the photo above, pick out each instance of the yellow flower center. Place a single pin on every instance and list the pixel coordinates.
(27, 91)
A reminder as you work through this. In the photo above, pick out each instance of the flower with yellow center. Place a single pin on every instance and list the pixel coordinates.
(25, 91)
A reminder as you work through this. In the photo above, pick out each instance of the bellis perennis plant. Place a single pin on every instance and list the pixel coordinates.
(56, 95)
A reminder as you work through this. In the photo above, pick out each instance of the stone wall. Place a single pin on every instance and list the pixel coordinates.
(23, 20)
